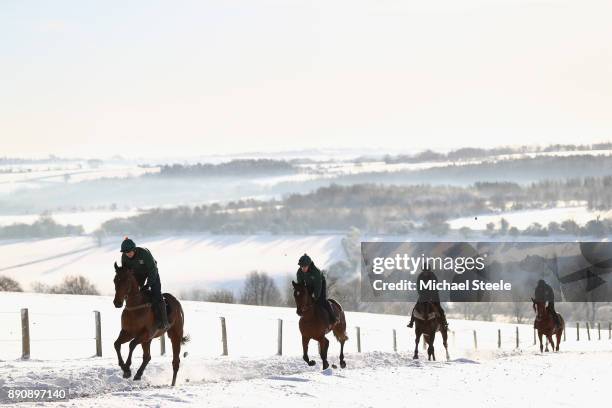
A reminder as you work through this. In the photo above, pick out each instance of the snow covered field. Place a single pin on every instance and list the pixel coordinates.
(523, 219)
(253, 376)
(205, 260)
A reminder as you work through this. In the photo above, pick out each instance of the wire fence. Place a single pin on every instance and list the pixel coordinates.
(216, 334)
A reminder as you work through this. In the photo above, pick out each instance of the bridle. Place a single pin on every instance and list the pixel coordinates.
(306, 308)
(131, 308)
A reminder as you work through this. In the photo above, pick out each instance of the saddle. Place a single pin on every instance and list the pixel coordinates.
(149, 297)
(425, 311)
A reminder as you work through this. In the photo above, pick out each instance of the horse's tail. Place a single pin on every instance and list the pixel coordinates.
(186, 338)
(339, 329)
(340, 335)
(335, 302)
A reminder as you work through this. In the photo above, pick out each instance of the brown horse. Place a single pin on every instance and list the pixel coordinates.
(138, 322)
(545, 324)
(427, 323)
(314, 324)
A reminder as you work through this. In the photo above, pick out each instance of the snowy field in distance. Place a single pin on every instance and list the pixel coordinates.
(188, 261)
(524, 218)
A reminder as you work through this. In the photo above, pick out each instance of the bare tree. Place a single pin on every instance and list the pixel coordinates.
(71, 285)
(221, 296)
(9, 285)
(260, 289)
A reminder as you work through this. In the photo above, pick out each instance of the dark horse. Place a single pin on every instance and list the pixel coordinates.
(546, 326)
(138, 322)
(314, 324)
(427, 323)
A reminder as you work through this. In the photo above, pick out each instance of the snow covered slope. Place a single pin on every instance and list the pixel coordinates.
(184, 262)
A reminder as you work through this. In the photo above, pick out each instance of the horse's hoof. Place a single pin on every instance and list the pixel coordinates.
(415, 357)
(343, 364)
(137, 377)
(127, 374)
(311, 363)
(334, 366)
(325, 365)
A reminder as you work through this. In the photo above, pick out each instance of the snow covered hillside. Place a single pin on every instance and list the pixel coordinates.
(62, 332)
(188, 261)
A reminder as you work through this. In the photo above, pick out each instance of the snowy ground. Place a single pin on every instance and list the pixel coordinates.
(252, 375)
(383, 380)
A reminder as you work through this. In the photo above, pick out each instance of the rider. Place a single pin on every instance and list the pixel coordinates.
(544, 293)
(308, 274)
(141, 261)
(426, 295)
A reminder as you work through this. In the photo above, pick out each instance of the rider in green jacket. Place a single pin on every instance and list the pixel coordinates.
(142, 262)
(308, 274)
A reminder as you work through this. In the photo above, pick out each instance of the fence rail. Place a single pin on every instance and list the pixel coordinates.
(488, 335)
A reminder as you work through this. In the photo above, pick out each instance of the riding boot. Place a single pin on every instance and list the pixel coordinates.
(557, 320)
(163, 321)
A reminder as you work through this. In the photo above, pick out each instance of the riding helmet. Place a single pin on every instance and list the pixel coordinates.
(127, 245)
(305, 260)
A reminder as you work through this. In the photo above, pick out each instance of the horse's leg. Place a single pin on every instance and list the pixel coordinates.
(128, 363)
(146, 357)
(540, 337)
(305, 341)
(342, 362)
(430, 350)
(123, 337)
(445, 342)
(176, 355)
(417, 338)
(323, 346)
(559, 332)
(551, 341)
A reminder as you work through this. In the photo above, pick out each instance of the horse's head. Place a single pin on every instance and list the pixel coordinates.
(539, 308)
(125, 284)
(303, 298)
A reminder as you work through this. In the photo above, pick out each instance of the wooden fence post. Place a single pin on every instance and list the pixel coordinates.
(279, 344)
(98, 324)
(577, 331)
(598, 331)
(358, 339)
(223, 336)
(162, 344)
(475, 341)
(517, 337)
(25, 334)
(588, 331)
(498, 338)
(394, 341)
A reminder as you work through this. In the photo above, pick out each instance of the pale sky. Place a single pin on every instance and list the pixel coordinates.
(151, 78)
